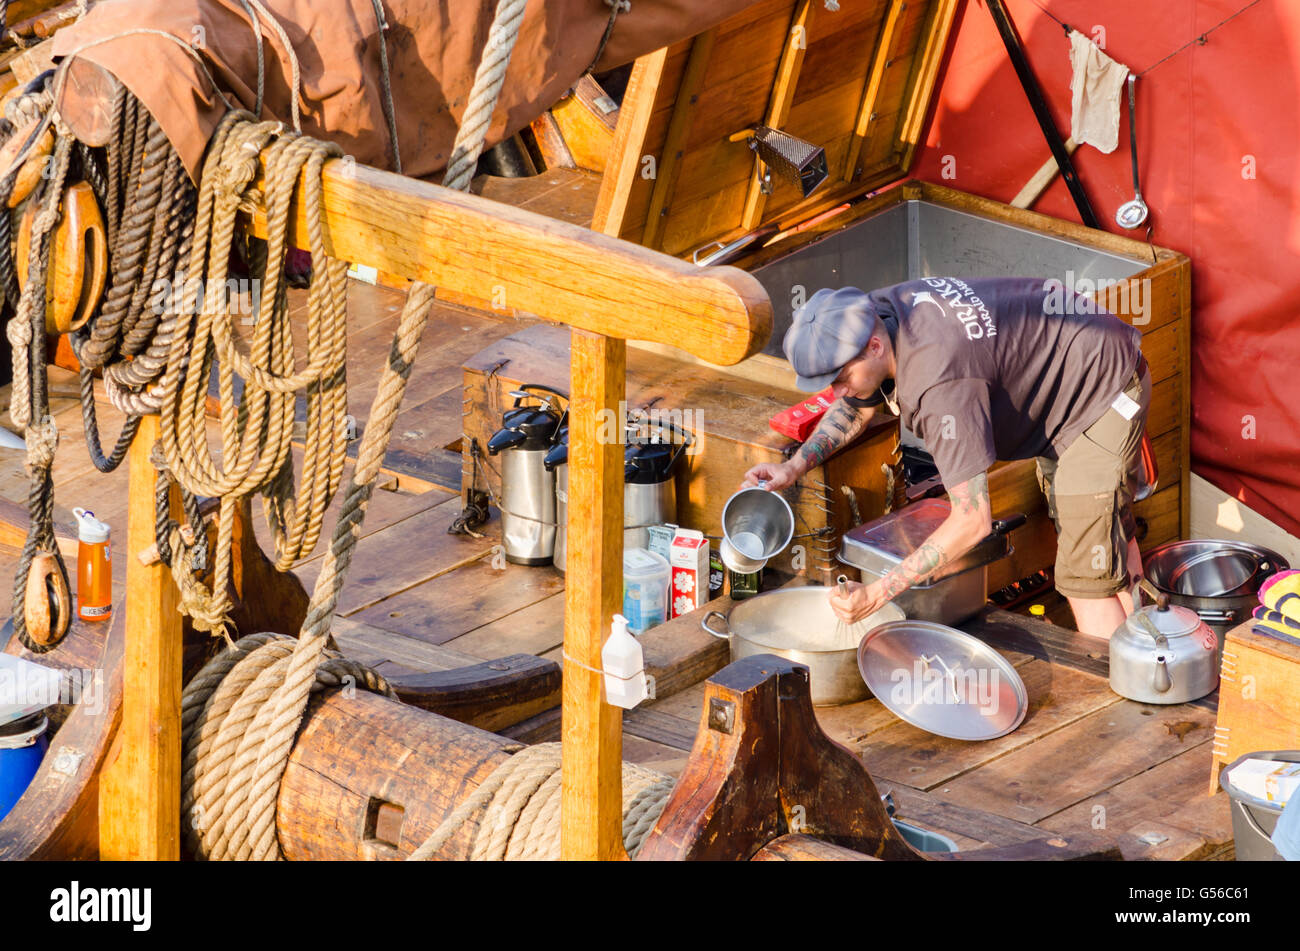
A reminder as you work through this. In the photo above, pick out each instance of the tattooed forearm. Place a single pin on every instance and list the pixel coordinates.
(916, 568)
(972, 495)
(840, 426)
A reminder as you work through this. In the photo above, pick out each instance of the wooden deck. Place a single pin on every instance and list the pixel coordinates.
(418, 599)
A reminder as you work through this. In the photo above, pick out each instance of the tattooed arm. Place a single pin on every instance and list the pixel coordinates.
(970, 521)
(839, 427)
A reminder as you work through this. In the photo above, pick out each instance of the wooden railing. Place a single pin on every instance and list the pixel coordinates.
(608, 291)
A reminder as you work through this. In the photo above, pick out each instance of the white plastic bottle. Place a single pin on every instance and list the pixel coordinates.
(624, 666)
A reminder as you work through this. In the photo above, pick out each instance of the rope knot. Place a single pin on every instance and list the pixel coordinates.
(42, 442)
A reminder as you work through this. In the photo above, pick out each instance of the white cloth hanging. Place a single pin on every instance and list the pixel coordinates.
(1095, 87)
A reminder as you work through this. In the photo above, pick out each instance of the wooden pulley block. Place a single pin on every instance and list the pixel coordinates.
(47, 606)
(78, 259)
(33, 165)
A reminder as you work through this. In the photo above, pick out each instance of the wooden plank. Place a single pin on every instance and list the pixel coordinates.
(587, 123)
(1155, 803)
(871, 94)
(958, 821)
(665, 759)
(778, 108)
(140, 787)
(1005, 630)
(550, 142)
(401, 556)
(404, 226)
(1057, 697)
(591, 808)
(623, 172)
(670, 157)
(1081, 760)
(455, 602)
(374, 645)
(664, 728)
(537, 628)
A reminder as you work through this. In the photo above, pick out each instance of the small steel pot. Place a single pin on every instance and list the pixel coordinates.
(799, 625)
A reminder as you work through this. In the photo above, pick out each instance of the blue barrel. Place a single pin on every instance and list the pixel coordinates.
(22, 747)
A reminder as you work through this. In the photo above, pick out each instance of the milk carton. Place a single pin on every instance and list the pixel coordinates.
(1271, 780)
(689, 558)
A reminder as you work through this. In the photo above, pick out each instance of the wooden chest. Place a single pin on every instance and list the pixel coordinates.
(858, 82)
(1259, 705)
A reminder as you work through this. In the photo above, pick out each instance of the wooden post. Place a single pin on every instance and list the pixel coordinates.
(592, 730)
(140, 787)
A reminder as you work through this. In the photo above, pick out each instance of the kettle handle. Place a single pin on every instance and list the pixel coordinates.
(1161, 599)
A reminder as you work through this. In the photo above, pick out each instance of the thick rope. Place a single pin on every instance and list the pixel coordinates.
(518, 809)
(257, 430)
(484, 93)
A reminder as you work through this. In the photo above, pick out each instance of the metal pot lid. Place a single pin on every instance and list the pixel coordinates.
(942, 680)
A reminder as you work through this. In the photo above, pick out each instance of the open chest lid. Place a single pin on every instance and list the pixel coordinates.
(856, 81)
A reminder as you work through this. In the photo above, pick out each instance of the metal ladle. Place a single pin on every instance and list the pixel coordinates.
(1132, 213)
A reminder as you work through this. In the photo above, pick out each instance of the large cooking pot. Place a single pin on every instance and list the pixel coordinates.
(799, 625)
(1218, 579)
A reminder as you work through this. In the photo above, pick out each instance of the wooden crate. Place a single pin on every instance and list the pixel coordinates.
(1259, 705)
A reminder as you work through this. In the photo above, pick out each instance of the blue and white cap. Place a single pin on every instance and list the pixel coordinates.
(828, 331)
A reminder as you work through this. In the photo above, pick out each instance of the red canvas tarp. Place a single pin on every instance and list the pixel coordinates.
(1218, 129)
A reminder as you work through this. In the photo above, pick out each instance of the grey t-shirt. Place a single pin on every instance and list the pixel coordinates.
(987, 372)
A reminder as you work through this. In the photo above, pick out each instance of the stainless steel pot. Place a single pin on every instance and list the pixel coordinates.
(959, 591)
(1163, 654)
(799, 625)
(1218, 579)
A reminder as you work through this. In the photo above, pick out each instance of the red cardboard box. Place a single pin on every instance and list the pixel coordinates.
(802, 418)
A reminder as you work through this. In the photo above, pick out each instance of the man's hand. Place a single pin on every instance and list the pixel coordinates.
(858, 601)
(777, 475)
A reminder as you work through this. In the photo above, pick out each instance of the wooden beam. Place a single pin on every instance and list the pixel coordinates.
(140, 787)
(871, 93)
(679, 126)
(466, 244)
(778, 108)
(634, 117)
(591, 730)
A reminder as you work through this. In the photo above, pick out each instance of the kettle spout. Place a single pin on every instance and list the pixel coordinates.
(1160, 680)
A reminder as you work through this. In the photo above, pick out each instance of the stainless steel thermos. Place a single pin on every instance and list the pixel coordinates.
(528, 432)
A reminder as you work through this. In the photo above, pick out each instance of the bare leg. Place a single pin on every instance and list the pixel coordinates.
(1134, 573)
(1097, 617)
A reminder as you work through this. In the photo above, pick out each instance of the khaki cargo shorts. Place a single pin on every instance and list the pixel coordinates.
(1089, 494)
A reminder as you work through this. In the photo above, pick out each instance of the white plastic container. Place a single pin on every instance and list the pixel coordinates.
(645, 589)
(624, 666)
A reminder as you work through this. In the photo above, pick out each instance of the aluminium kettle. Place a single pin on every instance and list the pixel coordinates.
(1163, 653)
(527, 502)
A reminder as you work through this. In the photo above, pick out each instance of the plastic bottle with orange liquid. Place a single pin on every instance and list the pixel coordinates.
(94, 567)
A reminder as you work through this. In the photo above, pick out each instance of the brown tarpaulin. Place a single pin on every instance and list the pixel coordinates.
(434, 47)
